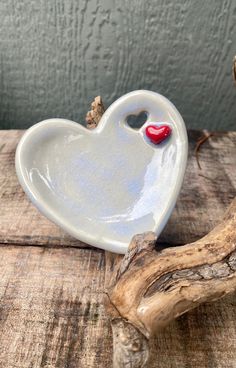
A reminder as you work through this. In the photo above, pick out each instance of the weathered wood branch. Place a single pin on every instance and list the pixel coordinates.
(151, 287)
(94, 115)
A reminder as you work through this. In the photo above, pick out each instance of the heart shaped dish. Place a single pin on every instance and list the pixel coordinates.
(105, 185)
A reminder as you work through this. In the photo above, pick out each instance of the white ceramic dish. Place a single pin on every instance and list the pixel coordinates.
(103, 186)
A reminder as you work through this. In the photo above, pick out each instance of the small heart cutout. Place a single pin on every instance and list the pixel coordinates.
(158, 134)
(137, 121)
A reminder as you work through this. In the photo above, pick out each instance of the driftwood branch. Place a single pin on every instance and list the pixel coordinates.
(94, 115)
(151, 287)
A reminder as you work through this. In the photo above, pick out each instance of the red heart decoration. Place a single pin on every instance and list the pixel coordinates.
(157, 134)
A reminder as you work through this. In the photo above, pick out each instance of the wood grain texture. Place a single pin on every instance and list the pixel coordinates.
(51, 310)
(50, 295)
(205, 195)
(52, 316)
(56, 56)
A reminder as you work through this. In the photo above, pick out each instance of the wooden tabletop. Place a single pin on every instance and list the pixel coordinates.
(51, 285)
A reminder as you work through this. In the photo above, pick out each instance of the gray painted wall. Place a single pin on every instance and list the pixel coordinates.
(56, 55)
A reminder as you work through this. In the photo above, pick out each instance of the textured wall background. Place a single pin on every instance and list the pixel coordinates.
(56, 55)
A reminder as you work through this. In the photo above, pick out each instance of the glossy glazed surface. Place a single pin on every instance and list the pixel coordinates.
(105, 185)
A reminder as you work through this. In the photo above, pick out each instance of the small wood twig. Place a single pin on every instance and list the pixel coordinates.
(234, 69)
(200, 142)
(94, 115)
(150, 287)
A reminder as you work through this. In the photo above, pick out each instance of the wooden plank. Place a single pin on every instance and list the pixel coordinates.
(205, 195)
(52, 316)
(51, 311)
